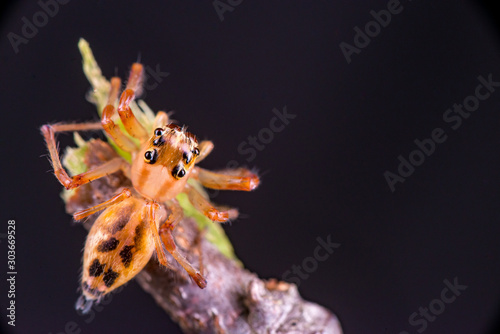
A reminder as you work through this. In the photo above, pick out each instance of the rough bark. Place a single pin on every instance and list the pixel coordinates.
(235, 300)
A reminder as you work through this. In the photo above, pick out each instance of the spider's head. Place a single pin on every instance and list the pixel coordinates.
(172, 147)
(162, 166)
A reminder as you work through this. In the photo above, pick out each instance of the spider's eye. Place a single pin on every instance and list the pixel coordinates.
(196, 151)
(181, 173)
(151, 156)
(159, 141)
(178, 172)
(187, 157)
(158, 132)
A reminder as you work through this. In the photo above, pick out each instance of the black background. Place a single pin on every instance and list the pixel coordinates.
(322, 175)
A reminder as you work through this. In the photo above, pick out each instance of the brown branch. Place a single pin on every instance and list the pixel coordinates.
(235, 300)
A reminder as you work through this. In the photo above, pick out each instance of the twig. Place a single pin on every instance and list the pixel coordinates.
(235, 300)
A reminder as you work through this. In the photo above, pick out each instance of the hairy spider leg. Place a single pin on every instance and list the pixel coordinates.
(68, 182)
(87, 126)
(229, 179)
(168, 240)
(175, 215)
(134, 84)
(203, 205)
(197, 245)
(161, 120)
(151, 207)
(111, 128)
(124, 194)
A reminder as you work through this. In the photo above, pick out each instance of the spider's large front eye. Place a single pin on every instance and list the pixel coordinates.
(196, 151)
(158, 132)
(178, 172)
(151, 156)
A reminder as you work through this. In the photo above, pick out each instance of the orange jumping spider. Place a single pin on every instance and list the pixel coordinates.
(135, 221)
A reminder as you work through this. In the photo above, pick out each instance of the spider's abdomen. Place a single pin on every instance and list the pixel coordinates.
(118, 246)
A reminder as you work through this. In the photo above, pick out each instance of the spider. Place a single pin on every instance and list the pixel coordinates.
(136, 220)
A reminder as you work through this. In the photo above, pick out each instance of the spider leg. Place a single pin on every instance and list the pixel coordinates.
(229, 179)
(174, 216)
(197, 245)
(88, 126)
(161, 119)
(205, 148)
(124, 194)
(151, 207)
(68, 182)
(134, 84)
(205, 207)
(109, 125)
(168, 240)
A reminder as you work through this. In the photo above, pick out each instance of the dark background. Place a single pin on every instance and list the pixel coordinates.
(322, 175)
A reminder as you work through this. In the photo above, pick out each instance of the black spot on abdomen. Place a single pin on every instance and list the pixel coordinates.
(123, 217)
(139, 235)
(126, 255)
(119, 224)
(96, 268)
(108, 245)
(110, 277)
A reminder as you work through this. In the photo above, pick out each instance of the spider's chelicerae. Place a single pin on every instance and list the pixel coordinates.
(136, 221)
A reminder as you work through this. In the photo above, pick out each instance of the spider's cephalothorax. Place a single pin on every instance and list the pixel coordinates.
(161, 168)
(139, 221)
